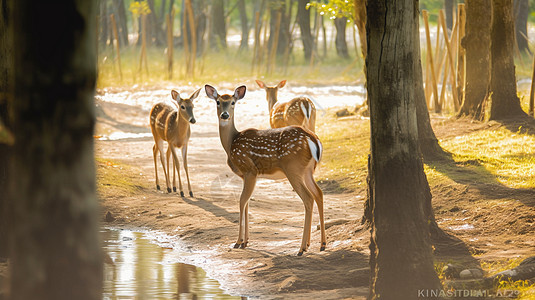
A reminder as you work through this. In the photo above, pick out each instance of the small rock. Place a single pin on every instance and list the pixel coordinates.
(109, 217)
(471, 274)
(451, 271)
(343, 113)
(287, 283)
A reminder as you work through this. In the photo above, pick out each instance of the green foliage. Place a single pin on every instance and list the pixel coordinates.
(334, 8)
(139, 8)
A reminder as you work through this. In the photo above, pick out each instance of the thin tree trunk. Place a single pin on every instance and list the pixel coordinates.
(400, 242)
(54, 244)
(303, 18)
(121, 22)
(477, 45)
(218, 30)
(449, 8)
(340, 41)
(244, 43)
(505, 102)
(360, 20)
(521, 14)
(284, 27)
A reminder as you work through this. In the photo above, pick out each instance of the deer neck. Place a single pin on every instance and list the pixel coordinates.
(272, 99)
(182, 125)
(227, 133)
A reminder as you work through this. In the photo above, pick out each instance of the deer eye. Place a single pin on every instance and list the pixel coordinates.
(218, 102)
(182, 106)
(232, 103)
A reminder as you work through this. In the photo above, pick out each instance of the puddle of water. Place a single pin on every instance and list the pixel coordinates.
(144, 270)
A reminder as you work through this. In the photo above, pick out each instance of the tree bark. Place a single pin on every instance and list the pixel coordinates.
(449, 8)
(277, 6)
(340, 41)
(6, 85)
(303, 18)
(505, 102)
(477, 45)
(120, 12)
(400, 242)
(360, 21)
(54, 244)
(244, 43)
(218, 39)
(521, 14)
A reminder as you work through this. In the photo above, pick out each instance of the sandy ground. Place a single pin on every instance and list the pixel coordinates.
(208, 222)
(488, 221)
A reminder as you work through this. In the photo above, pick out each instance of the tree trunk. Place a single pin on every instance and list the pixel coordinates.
(122, 28)
(449, 8)
(104, 23)
(401, 259)
(277, 6)
(6, 84)
(303, 18)
(521, 14)
(54, 243)
(155, 32)
(477, 45)
(505, 103)
(244, 43)
(218, 40)
(340, 41)
(360, 21)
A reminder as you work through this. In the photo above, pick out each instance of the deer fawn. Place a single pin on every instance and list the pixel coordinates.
(292, 152)
(298, 111)
(172, 126)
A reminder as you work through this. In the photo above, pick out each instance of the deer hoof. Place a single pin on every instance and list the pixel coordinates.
(169, 190)
(243, 245)
(181, 194)
(190, 193)
(237, 245)
(300, 253)
(323, 246)
(174, 189)
(158, 187)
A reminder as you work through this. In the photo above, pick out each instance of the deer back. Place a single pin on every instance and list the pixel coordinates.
(298, 111)
(269, 153)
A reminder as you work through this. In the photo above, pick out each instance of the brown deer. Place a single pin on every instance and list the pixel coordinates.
(299, 111)
(292, 152)
(172, 126)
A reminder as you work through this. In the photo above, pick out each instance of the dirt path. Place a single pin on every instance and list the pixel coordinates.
(207, 222)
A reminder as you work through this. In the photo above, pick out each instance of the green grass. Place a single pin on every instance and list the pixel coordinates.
(523, 289)
(117, 178)
(216, 67)
(489, 156)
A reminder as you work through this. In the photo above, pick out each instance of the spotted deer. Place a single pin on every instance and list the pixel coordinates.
(172, 126)
(298, 111)
(290, 152)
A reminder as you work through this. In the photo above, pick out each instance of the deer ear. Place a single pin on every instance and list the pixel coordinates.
(260, 84)
(281, 84)
(195, 94)
(239, 93)
(175, 95)
(211, 92)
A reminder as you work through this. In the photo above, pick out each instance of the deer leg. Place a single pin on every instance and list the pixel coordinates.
(249, 183)
(177, 167)
(306, 196)
(155, 155)
(168, 154)
(318, 197)
(162, 159)
(185, 161)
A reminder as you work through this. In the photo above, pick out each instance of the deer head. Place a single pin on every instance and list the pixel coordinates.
(185, 106)
(271, 92)
(225, 103)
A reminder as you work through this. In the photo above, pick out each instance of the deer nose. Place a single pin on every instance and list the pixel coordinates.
(192, 120)
(225, 115)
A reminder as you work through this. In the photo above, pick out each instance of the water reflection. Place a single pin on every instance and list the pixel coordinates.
(139, 269)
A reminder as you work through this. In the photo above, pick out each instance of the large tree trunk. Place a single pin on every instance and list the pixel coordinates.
(6, 84)
(505, 103)
(218, 29)
(521, 14)
(477, 45)
(244, 43)
(283, 42)
(303, 18)
(54, 244)
(400, 243)
(340, 40)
